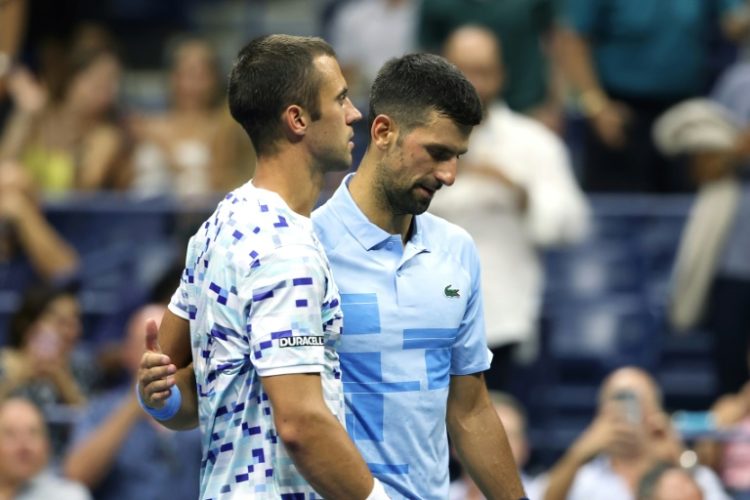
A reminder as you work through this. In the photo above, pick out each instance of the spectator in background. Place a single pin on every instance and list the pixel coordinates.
(515, 193)
(177, 150)
(525, 30)
(121, 453)
(366, 33)
(711, 280)
(39, 360)
(629, 435)
(66, 137)
(26, 236)
(629, 62)
(667, 482)
(513, 417)
(729, 455)
(24, 455)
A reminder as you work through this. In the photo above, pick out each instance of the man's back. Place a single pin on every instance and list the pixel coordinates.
(261, 302)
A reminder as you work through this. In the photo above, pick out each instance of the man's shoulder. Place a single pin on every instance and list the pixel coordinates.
(439, 231)
(256, 221)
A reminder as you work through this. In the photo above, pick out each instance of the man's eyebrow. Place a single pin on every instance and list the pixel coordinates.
(442, 148)
(344, 92)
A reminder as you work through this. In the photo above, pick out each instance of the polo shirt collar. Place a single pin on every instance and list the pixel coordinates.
(365, 232)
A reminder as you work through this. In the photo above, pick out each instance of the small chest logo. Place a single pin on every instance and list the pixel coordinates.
(302, 340)
(451, 293)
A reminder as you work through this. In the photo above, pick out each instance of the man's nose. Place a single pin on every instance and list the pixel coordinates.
(446, 171)
(352, 114)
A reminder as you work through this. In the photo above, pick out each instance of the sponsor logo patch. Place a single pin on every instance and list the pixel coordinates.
(302, 340)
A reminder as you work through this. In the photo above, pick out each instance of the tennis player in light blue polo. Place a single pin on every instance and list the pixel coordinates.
(413, 345)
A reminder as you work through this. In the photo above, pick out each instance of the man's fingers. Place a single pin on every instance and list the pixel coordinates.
(152, 336)
(154, 360)
(149, 375)
(158, 386)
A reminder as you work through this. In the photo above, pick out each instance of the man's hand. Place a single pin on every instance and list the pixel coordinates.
(155, 374)
(610, 123)
(610, 433)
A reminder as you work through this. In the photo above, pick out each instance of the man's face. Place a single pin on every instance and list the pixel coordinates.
(676, 484)
(23, 441)
(419, 163)
(475, 53)
(331, 135)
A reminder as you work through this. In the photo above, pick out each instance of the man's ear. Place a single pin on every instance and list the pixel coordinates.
(295, 121)
(384, 132)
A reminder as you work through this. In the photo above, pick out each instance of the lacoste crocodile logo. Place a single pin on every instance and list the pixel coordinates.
(451, 292)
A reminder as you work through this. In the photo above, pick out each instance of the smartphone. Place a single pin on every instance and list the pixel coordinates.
(630, 406)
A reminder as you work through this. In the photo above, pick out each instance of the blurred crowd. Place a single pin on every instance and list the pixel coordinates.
(583, 99)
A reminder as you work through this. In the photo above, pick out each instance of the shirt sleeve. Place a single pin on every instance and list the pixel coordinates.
(179, 304)
(285, 295)
(558, 212)
(470, 353)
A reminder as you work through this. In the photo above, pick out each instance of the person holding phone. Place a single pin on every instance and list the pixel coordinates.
(629, 435)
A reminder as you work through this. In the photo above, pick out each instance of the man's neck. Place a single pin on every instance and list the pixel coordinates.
(8, 489)
(374, 204)
(291, 176)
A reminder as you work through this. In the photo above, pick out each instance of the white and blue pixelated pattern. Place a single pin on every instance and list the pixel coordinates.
(413, 319)
(255, 277)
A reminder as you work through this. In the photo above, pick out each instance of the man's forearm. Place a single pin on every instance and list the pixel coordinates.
(327, 458)
(562, 475)
(92, 459)
(578, 69)
(37, 237)
(483, 449)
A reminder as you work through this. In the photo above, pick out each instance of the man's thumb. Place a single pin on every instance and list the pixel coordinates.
(152, 336)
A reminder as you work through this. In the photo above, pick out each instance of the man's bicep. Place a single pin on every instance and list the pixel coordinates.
(174, 339)
(291, 393)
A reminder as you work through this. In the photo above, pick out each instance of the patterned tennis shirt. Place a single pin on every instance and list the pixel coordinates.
(414, 318)
(259, 295)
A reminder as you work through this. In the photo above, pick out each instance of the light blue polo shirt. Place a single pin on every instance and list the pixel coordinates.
(413, 317)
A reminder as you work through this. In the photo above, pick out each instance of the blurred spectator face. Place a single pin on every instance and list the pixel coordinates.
(135, 341)
(515, 429)
(24, 446)
(476, 52)
(195, 76)
(94, 88)
(64, 314)
(676, 484)
(45, 343)
(631, 396)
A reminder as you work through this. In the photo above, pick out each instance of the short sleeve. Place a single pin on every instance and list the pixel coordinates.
(285, 294)
(469, 353)
(179, 305)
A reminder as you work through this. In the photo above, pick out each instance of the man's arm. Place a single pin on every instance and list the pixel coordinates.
(608, 432)
(480, 440)
(91, 460)
(316, 441)
(37, 236)
(606, 116)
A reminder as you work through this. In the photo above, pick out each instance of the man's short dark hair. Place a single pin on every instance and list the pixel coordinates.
(409, 88)
(271, 73)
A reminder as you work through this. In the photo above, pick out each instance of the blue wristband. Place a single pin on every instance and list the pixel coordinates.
(170, 409)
